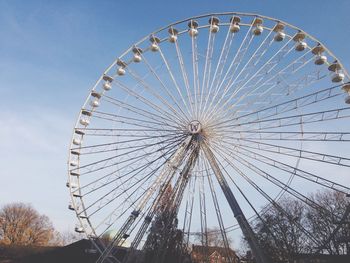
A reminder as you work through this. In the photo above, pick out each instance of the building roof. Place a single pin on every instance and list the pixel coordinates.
(212, 249)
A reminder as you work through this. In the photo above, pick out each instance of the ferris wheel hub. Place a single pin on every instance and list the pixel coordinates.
(195, 127)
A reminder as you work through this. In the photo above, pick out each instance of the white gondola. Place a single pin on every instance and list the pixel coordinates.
(320, 59)
(79, 229)
(173, 35)
(95, 95)
(346, 88)
(193, 31)
(95, 103)
(74, 173)
(76, 141)
(107, 78)
(280, 35)
(79, 132)
(86, 113)
(73, 163)
(84, 121)
(258, 28)
(71, 207)
(300, 46)
(214, 28)
(71, 185)
(172, 38)
(338, 77)
(334, 67)
(155, 43)
(300, 43)
(107, 86)
(154, 47)
(121, 69)
(137, 54)
(234, 27)
(214, 24)
(347, 99)
(74, 152)
(137, 58)
(77, 195)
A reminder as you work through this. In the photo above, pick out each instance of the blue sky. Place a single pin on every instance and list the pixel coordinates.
(52, 52)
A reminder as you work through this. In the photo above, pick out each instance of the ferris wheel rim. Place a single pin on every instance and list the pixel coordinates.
(154, 33)
(207, 15)
(255, 15)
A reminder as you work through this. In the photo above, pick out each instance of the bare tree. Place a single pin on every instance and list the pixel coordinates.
(214, 237)
(21, 224)
(324, 222)
(293, 227)
(281, 232)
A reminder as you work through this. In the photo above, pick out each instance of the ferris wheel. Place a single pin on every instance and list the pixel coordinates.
(212, 119)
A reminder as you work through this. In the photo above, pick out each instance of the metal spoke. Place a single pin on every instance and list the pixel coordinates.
(319, 116)
(292, 104)
(290, 169)
(298, 153)
(271, 201)
(293, 136)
